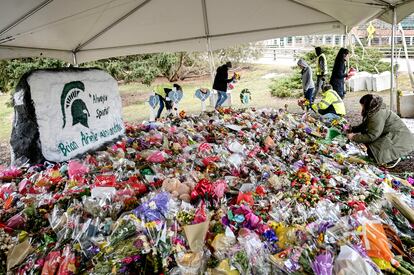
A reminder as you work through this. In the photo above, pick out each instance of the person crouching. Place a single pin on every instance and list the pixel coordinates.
(331, 105)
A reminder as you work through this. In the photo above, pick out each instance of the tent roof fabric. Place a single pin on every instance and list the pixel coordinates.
(84, 30)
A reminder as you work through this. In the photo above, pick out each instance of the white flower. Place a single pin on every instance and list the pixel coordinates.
(152, 205)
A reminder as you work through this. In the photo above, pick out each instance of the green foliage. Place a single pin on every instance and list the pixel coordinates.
(286, 86)
(12, 70)
(368, 61)
(238, 54)
(142, 68)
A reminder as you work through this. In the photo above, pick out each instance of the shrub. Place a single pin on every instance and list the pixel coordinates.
(289, 86)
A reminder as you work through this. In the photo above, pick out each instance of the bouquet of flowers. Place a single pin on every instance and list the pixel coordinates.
(304, 103)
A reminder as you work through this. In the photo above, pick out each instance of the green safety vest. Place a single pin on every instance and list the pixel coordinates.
(160, 90)
(325, 67)
(330, 97)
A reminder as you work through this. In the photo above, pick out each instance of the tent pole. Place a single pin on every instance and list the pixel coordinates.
(75, 59)
(210, 59)
(348, 88)
(394, 23)
(208, 39)
(410, 72)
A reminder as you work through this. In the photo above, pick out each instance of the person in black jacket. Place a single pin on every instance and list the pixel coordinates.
(339, 72)
(220, 83)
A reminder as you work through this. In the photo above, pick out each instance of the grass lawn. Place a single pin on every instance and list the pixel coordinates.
(134, 95)
(6, 116)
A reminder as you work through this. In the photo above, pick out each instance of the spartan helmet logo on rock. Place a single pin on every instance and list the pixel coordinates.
(69, 98)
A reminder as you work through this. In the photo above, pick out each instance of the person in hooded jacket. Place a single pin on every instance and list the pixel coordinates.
(220, 83)
(307, 81)
(386, 136)
(339, 72)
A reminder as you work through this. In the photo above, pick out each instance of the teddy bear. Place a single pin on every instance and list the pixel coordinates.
(178, 189)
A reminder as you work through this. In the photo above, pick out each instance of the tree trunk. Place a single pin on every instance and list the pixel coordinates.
(175, 75)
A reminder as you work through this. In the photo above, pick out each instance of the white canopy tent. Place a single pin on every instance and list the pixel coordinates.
(84, 30)
(93, 29)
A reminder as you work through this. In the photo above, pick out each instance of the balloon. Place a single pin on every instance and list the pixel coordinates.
(202, 95)
(153, 101)
(176, 96)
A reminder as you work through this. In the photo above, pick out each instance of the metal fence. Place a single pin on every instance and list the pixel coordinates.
(275, 52)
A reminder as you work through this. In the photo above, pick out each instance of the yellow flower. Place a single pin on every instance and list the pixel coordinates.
(151, 225)
(55, 174)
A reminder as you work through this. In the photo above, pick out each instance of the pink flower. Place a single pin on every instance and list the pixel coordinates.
(219, 188)
(75, 168)
(127, 260)
(252, 220)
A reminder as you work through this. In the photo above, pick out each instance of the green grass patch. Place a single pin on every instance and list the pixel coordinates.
(6, 116)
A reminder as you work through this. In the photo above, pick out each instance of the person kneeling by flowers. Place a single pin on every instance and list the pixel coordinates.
(331, 105)
(383, 132)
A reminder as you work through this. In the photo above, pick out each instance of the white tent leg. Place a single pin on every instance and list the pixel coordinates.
(348, 87)
(75, 59)
(210, 59)
(208, 40)
(392, 94)
(410, 73)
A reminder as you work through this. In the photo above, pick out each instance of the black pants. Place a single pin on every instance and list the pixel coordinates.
(163, 101)
(329, 110)
(338, 86)
(320, 81)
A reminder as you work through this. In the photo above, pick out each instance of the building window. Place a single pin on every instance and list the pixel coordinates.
(338, 39)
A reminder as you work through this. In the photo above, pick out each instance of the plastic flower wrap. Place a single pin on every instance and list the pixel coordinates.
(241, 261)
(157, 157)
(105, 181)
(190, 263)
(208, 191)
(222, 244)
(126, 227)
(68, 263)
(323, 264)
(376, 243)
(76, 168)
(196, 230)
(241, 217)
(52, 263)
(350, 262)
(154, 209)
(255, 251)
